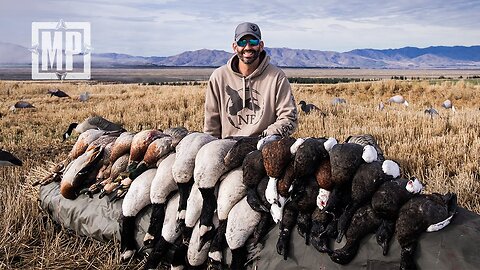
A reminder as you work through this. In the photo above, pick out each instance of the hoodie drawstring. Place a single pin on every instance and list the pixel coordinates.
(244, 89)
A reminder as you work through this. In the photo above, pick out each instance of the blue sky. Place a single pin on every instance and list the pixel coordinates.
(169, 27)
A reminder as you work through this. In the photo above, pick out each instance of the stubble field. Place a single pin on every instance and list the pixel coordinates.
(442, 151)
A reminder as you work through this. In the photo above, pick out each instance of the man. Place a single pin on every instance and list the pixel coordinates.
(249, 96)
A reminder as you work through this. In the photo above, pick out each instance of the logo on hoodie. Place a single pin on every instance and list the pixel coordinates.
(244, 107)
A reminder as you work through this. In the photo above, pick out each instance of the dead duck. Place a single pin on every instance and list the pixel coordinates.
(364, 140)
(156, 150)
(230, 191)
(423, 212)
(177, 134)
(365, 182)
(137, 197)
(162, 186)
(239, 151)
(139, 146)
(80, 172)
(8, 159)
(209, 167)
(364, 221)
(276, 157)
(253, 173)
(386, 202)
(183, 167)
(241, 223)
(93, 122)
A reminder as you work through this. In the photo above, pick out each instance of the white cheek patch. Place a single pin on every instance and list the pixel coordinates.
(296, 145)
(440, 225)
(391, 168)
(328, 145)
(322, 198)
(369, 154)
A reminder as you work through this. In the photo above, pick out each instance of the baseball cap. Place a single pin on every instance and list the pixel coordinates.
(247, 28)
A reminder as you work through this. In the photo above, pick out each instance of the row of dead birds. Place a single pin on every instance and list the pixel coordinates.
(208, 193)
(22, 104)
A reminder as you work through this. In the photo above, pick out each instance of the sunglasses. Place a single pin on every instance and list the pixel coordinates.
(252, 42)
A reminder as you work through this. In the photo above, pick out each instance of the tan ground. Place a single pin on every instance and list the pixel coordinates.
(443, 152)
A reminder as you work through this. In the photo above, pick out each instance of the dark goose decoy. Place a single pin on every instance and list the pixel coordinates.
(8, 159)
(307, 108)
(58, 93)
(21, 105)
(93, 122)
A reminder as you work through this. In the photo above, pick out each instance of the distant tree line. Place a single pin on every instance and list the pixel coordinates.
(301, 80)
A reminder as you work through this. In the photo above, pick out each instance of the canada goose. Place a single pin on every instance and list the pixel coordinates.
(367, 179)
(93, 122)
(162, 186)
(209, 167)
(137, 197)
(398, 99)
(230, 190)
(183, 167)
(364, 221)
(307, 108)
(168, 233)
(192, 213)
(239, 151)
(155, 151)
(8, 159)
(79, 172)
(241, 223)
(418, 215)
(58, 93)
(21, 105)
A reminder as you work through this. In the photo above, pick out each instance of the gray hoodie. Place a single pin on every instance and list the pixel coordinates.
(259, 104)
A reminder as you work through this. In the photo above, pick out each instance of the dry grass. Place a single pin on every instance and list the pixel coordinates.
(443, 152)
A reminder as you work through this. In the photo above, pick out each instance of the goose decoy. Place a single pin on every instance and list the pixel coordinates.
(398, 99)
(431, 111)
(84, 97)
(21, 105)
(58, 93)
(307, 108)
(447, 104)
(338, 100)
(423, 212)
(93, 122)
(8, 159)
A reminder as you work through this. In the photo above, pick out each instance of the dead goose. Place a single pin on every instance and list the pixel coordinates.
(177, 134)
(364, 140)
(253, 173)
(239, 151)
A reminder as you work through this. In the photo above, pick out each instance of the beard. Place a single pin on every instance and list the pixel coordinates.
(254, 54)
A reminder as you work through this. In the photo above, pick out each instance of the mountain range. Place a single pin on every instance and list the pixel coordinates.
(434, 57)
